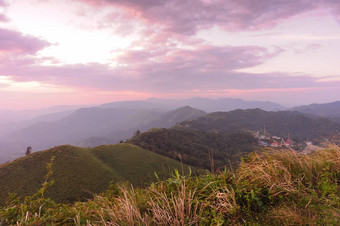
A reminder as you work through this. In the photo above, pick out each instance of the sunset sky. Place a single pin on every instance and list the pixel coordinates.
(65, 52)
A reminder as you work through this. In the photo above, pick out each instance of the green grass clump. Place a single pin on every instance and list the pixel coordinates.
(269, 188)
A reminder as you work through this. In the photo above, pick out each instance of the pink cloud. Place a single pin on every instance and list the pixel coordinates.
(164, 71)
(313, 46)
(131, 3)
(3, 18)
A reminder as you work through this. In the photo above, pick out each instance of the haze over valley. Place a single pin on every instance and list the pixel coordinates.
(117, 121)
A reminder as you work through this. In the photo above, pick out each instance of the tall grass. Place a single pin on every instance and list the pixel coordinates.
(122, 210)
(181, 208)
(287, 171)
(300, 187)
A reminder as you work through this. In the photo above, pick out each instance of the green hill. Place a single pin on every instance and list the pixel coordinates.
(194, 146)
(80, 172)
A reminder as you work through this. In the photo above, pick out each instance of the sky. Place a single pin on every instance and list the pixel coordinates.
(74, 52)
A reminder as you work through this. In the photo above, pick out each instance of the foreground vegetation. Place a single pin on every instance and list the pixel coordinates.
(273, 187)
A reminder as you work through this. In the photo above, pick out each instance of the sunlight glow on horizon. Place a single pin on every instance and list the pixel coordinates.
(70, 43)
(31, 86)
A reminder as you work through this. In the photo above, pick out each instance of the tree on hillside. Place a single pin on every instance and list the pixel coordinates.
(28, 150)
(137, 133)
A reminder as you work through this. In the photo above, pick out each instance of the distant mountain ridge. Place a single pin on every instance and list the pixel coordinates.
(222, 104)
(328, 110)
(205, 104)
(282, 123)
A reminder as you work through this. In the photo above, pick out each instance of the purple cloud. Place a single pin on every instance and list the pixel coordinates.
(203, 58)
(162, 79)
(188, 16)
(18, 43)
(2, 3)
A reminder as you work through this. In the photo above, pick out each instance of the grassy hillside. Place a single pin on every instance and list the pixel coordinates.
(270, 188)
(194, 146)
(80, 172)
(299, 126)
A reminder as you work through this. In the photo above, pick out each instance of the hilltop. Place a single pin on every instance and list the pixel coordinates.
(198, 148)
(81, 172)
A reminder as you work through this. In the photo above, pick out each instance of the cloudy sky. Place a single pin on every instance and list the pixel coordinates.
(58, 52)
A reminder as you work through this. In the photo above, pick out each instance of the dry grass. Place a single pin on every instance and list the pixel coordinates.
(289, 216)
(181, 208)
(285, 171)
(122, 210)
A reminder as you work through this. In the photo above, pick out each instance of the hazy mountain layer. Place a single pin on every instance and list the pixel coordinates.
(283, 123)
(8, 116)
(329, 110)
(91, 127)
(223, 104)
(205, 104)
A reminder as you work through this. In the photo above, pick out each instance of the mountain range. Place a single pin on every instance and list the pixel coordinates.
(295, 124)
(328, 110)
(112, 122)
(104, 124)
